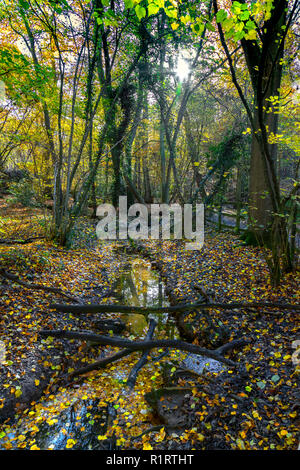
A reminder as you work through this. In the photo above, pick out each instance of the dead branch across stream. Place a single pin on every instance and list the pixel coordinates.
(107, 308)
(141, 345)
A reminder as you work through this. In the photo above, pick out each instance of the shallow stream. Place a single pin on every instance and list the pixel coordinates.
(81, 415)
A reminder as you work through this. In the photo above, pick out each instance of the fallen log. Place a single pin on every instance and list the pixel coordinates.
(54, 290)
(107, 308)
(20, 241)
(234, 344)
(138, 345)
(101, 363)
(144, 358)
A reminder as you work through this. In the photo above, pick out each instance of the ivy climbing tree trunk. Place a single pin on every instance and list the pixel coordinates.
(263, 57)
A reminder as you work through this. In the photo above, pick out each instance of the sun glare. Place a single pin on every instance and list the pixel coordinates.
(183, 69)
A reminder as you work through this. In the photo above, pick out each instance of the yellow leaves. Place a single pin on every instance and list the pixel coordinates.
(161, 436)
(52, 421)
(18, 393)
(34, 447)
(240, 444)
(37, 382)
(185, 19)
(121, 441)
(105, 388)
(247, 131)
(239, 26)
(256, 415)
(70, 443)
(282, 433)
(34, 430)
(147, 446)
(251, 36)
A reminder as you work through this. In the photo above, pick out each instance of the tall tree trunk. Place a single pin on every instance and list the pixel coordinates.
(238, 199)
(164, 189)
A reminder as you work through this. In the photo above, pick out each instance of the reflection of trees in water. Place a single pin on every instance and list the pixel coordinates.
(140, 286)
(137, 281)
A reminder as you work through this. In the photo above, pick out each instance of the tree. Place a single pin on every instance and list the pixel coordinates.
(261, 29)
(80, 65)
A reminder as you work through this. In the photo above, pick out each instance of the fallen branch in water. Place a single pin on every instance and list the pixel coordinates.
(28, 285)
(144, 358)
(101, 363)
(139, 345)
(105, 361)
(95, 308)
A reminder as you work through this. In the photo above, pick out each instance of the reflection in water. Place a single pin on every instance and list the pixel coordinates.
(140, 286)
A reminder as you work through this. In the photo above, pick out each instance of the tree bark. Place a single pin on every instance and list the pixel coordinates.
(94, 308)
(138, 345)
(143, 360)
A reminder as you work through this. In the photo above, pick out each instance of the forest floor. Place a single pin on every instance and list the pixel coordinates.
(256, 409)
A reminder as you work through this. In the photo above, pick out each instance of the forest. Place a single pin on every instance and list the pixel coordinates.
(188, 110)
